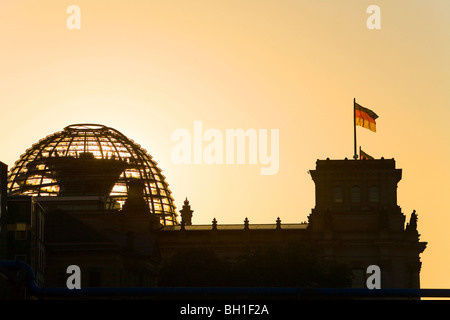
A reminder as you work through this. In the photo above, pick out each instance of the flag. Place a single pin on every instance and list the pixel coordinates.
(364, 156)
(365, 117)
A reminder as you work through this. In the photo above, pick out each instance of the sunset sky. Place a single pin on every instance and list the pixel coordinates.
(148, 68)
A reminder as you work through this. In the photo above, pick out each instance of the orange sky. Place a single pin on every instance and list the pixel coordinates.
(148, 68)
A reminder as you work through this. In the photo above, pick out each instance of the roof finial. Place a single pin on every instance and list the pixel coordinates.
(278, 223)
(246, 223)
(186, 213)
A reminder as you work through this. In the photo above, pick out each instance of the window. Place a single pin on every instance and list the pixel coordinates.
(356, 194)
(374, 194)
(338, 194)
(20, 235)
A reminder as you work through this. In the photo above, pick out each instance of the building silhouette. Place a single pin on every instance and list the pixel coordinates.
(91, 197)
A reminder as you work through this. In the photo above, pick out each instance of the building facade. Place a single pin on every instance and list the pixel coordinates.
(356, 222)
(52, 217)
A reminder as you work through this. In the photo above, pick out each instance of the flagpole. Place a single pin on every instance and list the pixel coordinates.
(354, 128)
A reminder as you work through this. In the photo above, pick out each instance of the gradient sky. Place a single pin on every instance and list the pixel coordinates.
(147, 68)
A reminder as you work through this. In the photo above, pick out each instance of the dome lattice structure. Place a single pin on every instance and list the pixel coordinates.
(91, 158)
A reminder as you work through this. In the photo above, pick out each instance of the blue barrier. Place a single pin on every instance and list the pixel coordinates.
(267, 292)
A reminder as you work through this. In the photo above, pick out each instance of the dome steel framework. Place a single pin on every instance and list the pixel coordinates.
(39, 170)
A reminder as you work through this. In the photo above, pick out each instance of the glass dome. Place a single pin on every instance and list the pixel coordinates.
(87, 159)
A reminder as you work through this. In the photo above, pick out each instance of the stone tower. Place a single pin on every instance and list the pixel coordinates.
(357, 220)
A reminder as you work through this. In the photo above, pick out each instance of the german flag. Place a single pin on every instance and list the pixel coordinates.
(365, 117)
(363, 155)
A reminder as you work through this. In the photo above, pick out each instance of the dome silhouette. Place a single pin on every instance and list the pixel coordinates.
(92, 160)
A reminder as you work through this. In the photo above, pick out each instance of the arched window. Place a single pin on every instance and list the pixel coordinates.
(374, 194)
(338, 194)
(355, 194)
